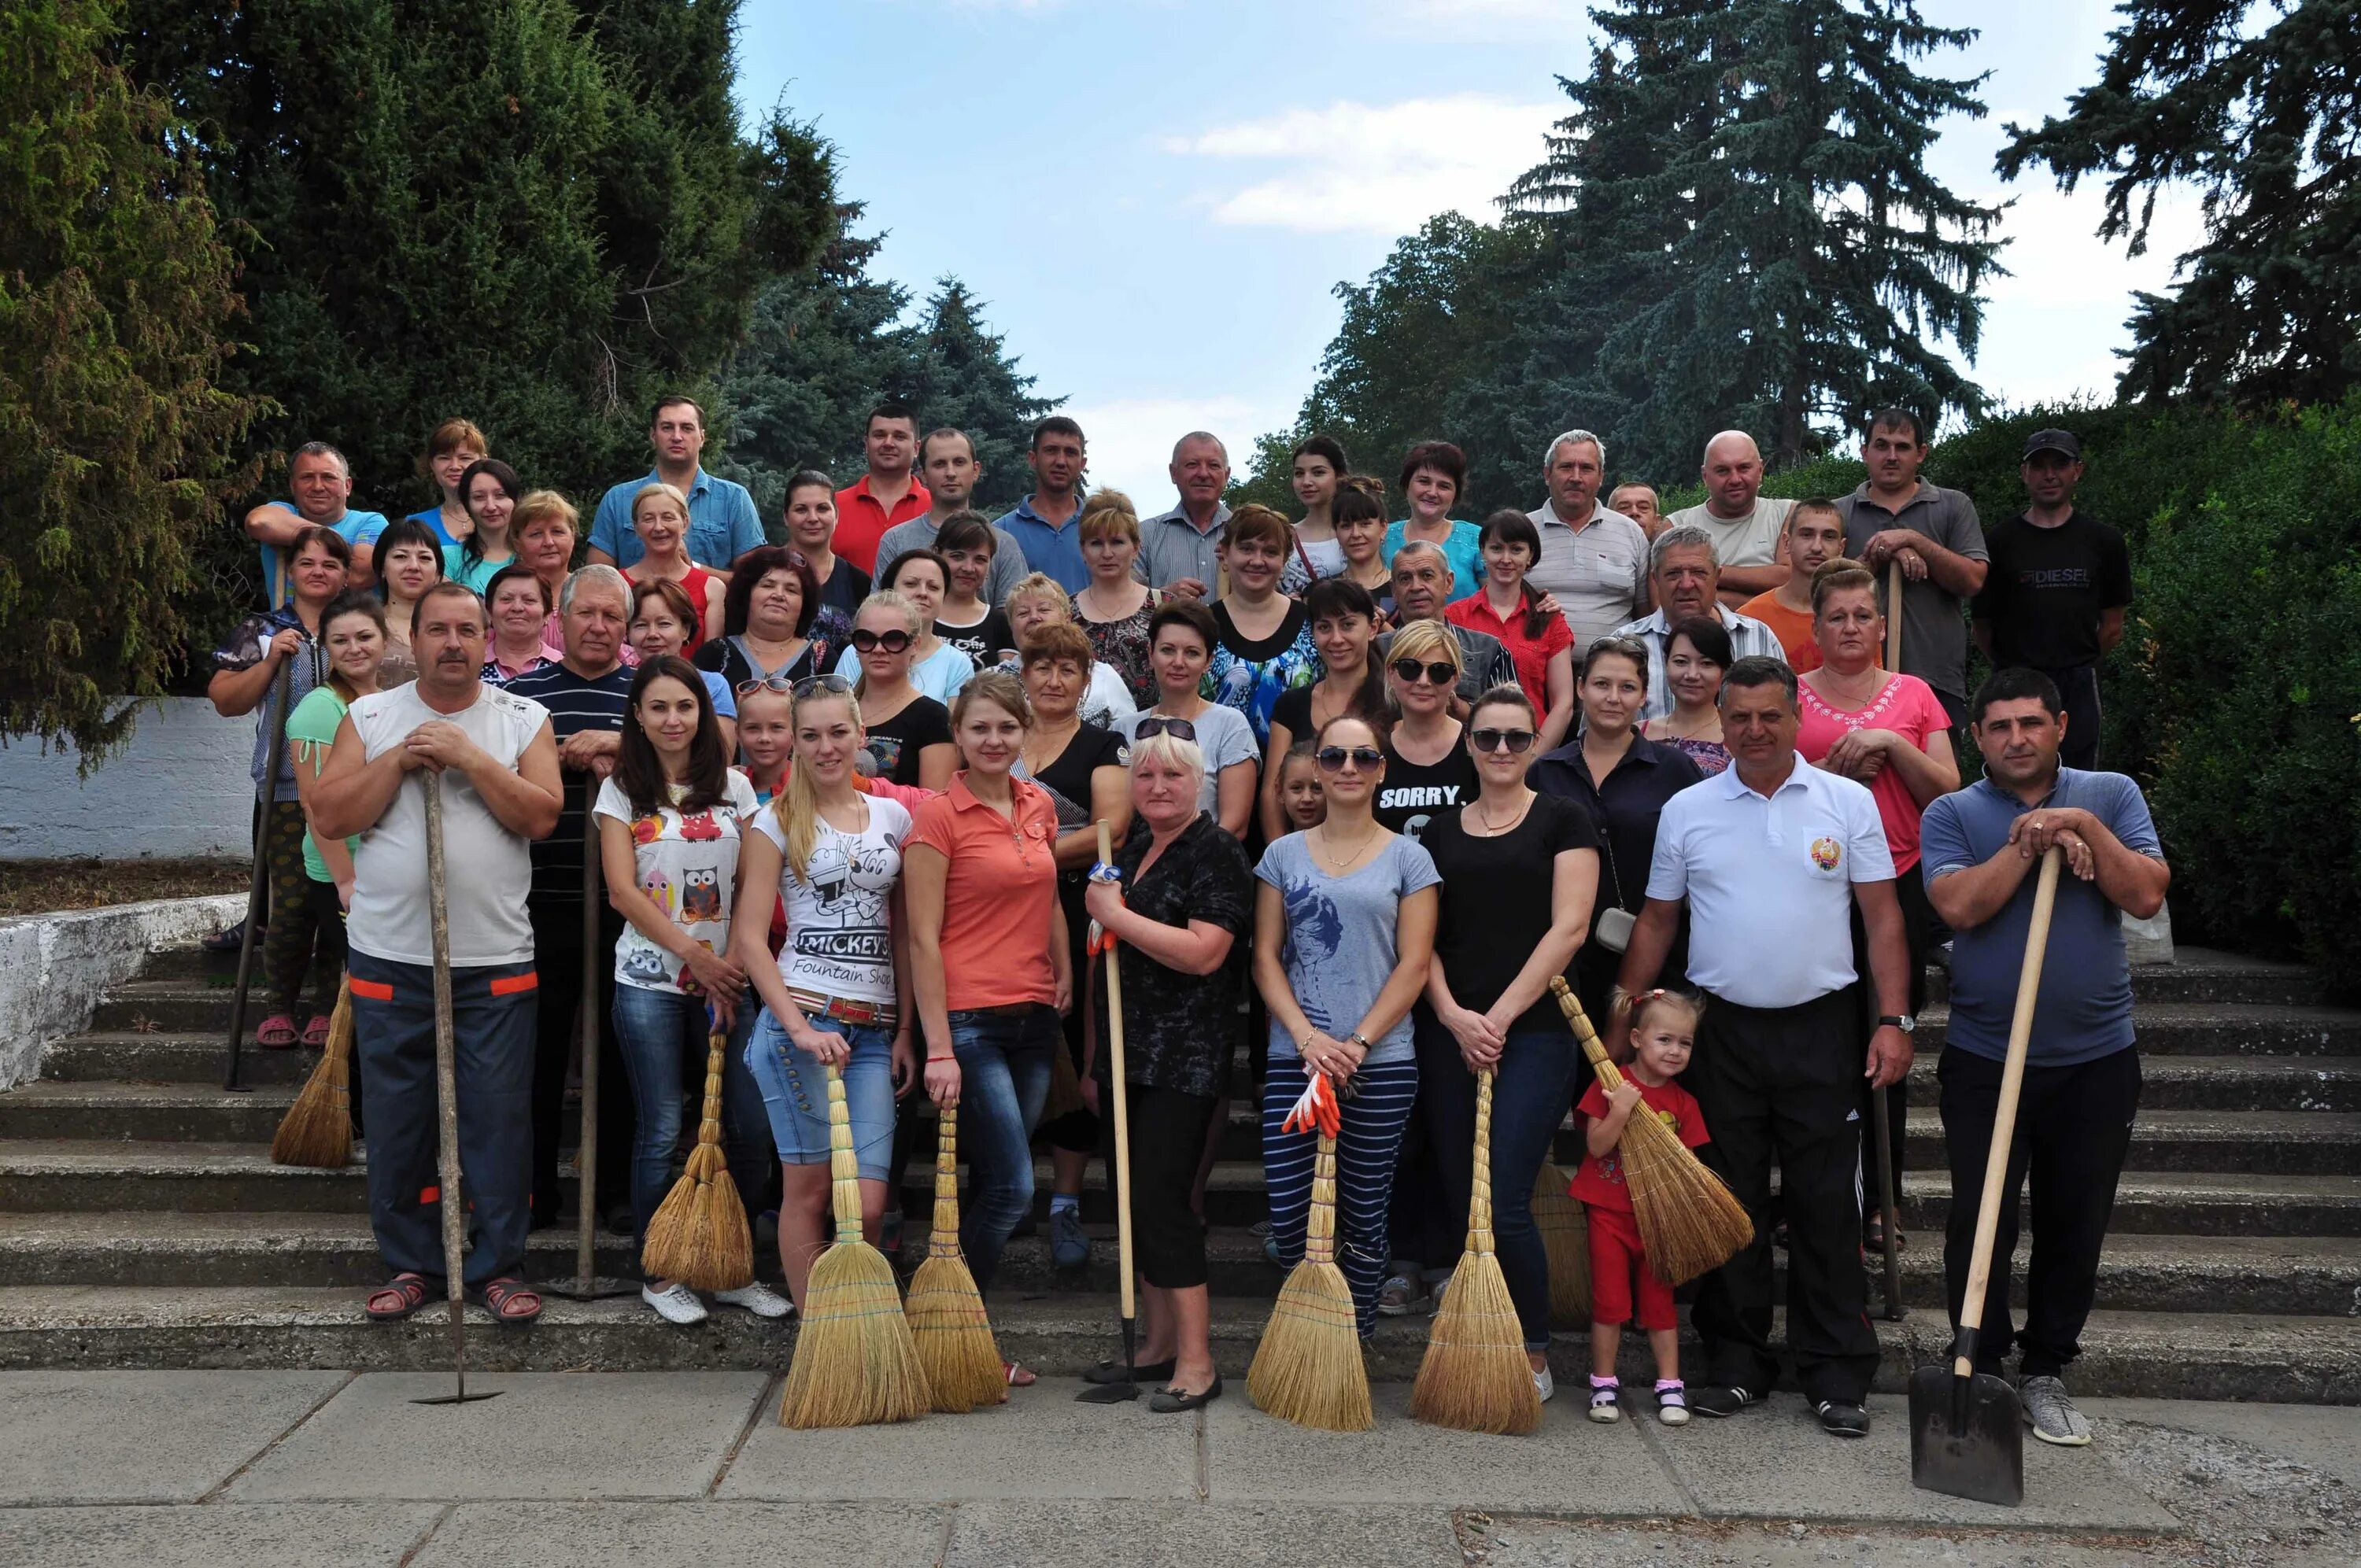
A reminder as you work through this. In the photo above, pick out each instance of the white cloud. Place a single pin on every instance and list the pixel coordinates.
(1131, 439)
(2055, 257)
(1375, 168)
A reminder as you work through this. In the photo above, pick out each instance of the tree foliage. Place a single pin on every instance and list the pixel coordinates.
(2259, 107)
(117, 315)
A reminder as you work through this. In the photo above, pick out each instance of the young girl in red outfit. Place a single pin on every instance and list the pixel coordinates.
(1663, 1031)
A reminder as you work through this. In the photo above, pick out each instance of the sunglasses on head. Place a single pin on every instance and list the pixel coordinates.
(1332, 759)
(1630, 645)
(1409, 671)
(1517, 741)
(1179, 729)
(891, 642)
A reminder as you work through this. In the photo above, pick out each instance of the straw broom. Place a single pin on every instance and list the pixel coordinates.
(318, 1130)
(1308, 1369)
(1566, 1236)
(699, 1234)
(945, 1309)
(1475, 1377)
(1688, 1221)
(855, 1362)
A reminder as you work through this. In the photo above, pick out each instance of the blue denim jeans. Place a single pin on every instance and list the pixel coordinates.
(1004, 1060)
(662, 1034)
(795, 1091)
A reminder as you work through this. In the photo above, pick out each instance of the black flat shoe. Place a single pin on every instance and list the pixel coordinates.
(1113, 1371)
(1838, 1418)
(1172, 1402)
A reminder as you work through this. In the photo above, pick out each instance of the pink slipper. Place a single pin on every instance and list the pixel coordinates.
(277, 1033)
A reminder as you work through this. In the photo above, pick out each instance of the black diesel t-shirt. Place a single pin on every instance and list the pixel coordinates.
(1412, 792)
(2048, 588)
(1495, 900)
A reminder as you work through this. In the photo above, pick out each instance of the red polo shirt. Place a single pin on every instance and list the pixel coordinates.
(862, 520)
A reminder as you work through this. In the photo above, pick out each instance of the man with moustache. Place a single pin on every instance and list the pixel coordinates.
(491, 755)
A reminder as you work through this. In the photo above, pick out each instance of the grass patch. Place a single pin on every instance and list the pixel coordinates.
(36, 887)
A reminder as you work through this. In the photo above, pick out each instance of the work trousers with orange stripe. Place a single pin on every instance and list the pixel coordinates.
(492, 1010)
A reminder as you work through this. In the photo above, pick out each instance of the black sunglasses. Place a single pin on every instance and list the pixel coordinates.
(891, 642)
(1179, 729)
(1518, 742)
(1410, 670)
(1332, 758)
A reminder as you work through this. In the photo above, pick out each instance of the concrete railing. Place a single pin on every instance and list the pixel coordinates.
(55, 969)
(183, 789)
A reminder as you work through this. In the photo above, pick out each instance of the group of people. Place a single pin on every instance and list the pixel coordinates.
(1372, 783)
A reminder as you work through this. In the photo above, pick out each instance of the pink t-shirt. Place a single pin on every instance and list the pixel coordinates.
(1908, 706)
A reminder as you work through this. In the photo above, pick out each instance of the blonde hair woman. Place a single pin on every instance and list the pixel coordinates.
(660, 517)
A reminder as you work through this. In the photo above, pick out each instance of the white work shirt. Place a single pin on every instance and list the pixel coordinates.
(1770, 882)
(487, 870)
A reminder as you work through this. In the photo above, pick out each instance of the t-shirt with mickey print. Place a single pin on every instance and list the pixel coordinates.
(689, 865)
(839, 936)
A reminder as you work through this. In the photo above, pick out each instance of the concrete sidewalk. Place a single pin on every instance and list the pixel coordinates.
(308, 1469)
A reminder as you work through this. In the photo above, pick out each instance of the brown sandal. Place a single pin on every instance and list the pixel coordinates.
(401, 1295)
(498, 1295)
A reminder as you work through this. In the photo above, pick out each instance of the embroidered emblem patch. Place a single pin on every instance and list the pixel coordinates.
(1826, 853)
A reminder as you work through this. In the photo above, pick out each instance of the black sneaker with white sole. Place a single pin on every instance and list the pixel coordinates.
(1838, 1418)
(1719, 1402)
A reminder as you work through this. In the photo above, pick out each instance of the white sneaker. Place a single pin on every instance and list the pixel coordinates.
(674, 1304)
(758, 1298)
(1545, 1385)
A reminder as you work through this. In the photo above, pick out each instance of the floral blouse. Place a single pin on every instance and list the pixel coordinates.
(1180, 1031)
(1124, 645)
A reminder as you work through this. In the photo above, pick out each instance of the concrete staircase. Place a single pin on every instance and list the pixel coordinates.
(143, 1225)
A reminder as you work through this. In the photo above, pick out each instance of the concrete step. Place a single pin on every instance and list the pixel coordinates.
(119, 1111)
(2307, 1276)
(146, 1056)
(2128, 1354)
(2217, 1083)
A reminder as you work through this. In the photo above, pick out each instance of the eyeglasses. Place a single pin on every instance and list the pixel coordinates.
(1179, 729)
(1332, 759)
(1408, 672)
(1517, 741)
(891, 642)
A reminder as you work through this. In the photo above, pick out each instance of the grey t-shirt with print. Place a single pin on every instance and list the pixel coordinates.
(1340, 948)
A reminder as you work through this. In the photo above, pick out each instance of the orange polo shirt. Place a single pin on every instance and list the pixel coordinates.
(998, 894)
(861, 519)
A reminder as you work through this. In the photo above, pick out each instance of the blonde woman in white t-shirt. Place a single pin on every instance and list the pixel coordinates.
(668, 837)
(839, 993)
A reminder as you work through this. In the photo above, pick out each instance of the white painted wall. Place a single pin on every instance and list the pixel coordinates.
(180, 790)
(55, 969)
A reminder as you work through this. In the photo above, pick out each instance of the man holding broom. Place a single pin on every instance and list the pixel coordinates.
(492, 756)
(2081, 1074)
(1771, 857)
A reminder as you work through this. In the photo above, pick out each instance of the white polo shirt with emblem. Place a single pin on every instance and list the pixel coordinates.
(1768, 882)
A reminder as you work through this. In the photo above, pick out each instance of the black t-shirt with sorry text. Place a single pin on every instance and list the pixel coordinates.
(2048, 588)
(1412, 792)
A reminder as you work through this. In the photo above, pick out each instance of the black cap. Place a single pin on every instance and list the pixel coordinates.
(2060, 441)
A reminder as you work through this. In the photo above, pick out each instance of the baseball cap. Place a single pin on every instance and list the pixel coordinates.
(2060, 441)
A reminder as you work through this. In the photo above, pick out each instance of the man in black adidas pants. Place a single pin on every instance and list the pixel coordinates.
(1980, 846)
(1771, 857)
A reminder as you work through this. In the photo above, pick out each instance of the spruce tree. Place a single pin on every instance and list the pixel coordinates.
(960, 377)
(2257, 107)
(116, 315)
(1741, 198)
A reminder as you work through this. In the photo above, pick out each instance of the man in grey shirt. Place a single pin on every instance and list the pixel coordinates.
(1936, 536)
(1176, 548)
(1594, 561)
(1743, 525)
(949, 469)
(1684, 575)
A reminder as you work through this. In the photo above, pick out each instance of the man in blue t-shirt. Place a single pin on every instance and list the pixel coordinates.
(1980, 848)
(722, 523)
(321, 482)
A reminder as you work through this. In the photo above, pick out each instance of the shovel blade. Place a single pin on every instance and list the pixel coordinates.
(462, 1399)
(1108, 1394)
(1967, 1436)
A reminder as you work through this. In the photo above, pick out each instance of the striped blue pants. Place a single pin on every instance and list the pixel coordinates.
(1366, 1148)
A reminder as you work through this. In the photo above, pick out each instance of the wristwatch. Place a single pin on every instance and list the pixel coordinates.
(1357, 1038)
(1902, 1021)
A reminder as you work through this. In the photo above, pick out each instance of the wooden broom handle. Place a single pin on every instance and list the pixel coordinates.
(1894, 616)
(446, 1050)
(585, 1023)
(843, 1165)
(1112, 967)
(2012, 1079)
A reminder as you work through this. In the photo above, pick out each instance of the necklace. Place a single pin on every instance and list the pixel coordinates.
(1335, 865)
(1494, 829)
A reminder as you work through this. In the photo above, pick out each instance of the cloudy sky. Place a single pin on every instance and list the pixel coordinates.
(1155, 199)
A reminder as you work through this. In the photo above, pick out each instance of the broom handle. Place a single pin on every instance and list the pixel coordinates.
(585, 1158)
(446, 1051)
(944, 1242)
(2012, 1079)
(1319, 1226)
(1113, 969)
(1479, 1203)
(843, 1166)
(1894, 616)
(1579, 1022)
(265, 799)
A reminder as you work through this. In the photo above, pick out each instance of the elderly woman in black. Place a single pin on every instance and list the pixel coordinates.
(1622, 779)
(1185, 899)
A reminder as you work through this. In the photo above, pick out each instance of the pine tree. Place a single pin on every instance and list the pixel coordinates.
(1742, 202)
(2260, 118)
(962, 378)
(117, 315)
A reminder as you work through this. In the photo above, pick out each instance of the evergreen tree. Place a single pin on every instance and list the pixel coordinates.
(115, 310)
(1747, 222)
(960, 376)
(2262, 119)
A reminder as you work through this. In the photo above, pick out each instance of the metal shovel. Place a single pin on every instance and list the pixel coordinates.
(1967, 1428)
